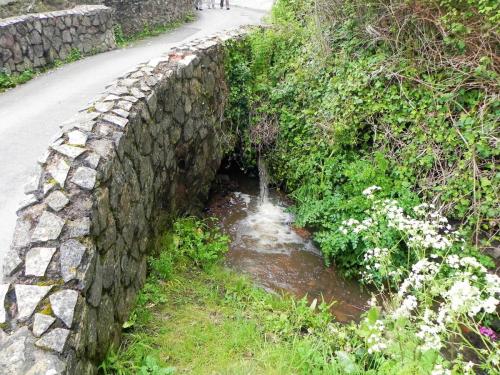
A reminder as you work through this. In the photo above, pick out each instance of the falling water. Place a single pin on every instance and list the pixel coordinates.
(263, 181)
(266, 246)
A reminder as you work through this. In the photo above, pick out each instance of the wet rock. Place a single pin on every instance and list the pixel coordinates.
(4, 288)
(37, 260)
(28, 297)
(85, 178)
(70, 258)
(54, 340)
(49, 227)
(42, 323)
(63, 304)
(95, 292)
(57, 200)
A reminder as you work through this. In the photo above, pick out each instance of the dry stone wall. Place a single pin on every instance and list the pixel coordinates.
(134, 15)
(36, 40)
(150, 146)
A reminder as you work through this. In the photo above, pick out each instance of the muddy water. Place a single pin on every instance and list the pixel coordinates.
(265, 246)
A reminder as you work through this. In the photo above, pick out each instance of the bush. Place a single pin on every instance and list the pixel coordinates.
(360, 102)
(199, 241)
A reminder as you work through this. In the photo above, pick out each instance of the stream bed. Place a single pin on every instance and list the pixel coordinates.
(277, 256)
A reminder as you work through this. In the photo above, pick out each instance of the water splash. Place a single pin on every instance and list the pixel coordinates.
(266, 246)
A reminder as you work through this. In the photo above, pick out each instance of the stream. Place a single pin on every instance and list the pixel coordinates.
(277, 256)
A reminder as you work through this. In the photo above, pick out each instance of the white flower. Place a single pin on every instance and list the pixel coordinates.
(492, 283)
(440, 370)
(407, 306)
(469, 367)
(368, 192)
(463, 297)
(490, 305)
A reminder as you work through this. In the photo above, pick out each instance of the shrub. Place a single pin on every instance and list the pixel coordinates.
(199, 240)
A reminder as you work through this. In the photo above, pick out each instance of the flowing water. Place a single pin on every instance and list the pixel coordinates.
(276, 255)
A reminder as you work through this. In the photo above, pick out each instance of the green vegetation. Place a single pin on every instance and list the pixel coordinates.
(195, 317)
(216, 322)
(123, 40)
(12, 80)
(211, 321)
(363, 93)
(8, 81)
(380, 120)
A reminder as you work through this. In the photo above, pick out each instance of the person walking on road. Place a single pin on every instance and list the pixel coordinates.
(222, 4)
(198, 4)
(211, 3)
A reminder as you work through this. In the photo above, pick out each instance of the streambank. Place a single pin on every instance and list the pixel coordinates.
(276, 255)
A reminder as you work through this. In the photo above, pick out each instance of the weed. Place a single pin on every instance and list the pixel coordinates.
(122, 40)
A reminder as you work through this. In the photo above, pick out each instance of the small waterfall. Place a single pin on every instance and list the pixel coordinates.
(263, 181)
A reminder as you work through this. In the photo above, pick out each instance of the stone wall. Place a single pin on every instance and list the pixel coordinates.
(33, 41)
(11, 8)
(151, 145)
(134, 15)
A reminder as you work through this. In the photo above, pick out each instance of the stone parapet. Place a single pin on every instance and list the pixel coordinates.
(134, 15)
(149, 147)
(35, 40)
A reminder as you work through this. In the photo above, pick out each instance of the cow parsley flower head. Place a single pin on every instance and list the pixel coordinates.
(407, 306)
(369, 191)
(440, 370)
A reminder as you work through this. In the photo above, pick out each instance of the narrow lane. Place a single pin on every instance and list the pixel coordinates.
(31, 114)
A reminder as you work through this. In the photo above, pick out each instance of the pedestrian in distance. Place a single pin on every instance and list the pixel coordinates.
(211, 3)
(222, 4)
(198, 4)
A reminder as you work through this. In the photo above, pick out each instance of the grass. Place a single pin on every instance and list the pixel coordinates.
(216, 322)
(193, 316)
(8, 81)
(123, 40)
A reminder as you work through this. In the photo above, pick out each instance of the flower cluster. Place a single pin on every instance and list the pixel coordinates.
(439, 290)
(488, 332)
(440, 370)
(429, 231)
(374, 260)
(454, 290)
(369, 192)
(355, 225)
(376, 341)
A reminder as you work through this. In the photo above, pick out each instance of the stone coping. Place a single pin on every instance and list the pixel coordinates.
(78, 256)
(78, 10)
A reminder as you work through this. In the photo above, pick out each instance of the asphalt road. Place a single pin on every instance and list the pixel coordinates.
(31, 114)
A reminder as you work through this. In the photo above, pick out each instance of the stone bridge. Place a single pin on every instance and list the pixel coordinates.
(147, 147)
